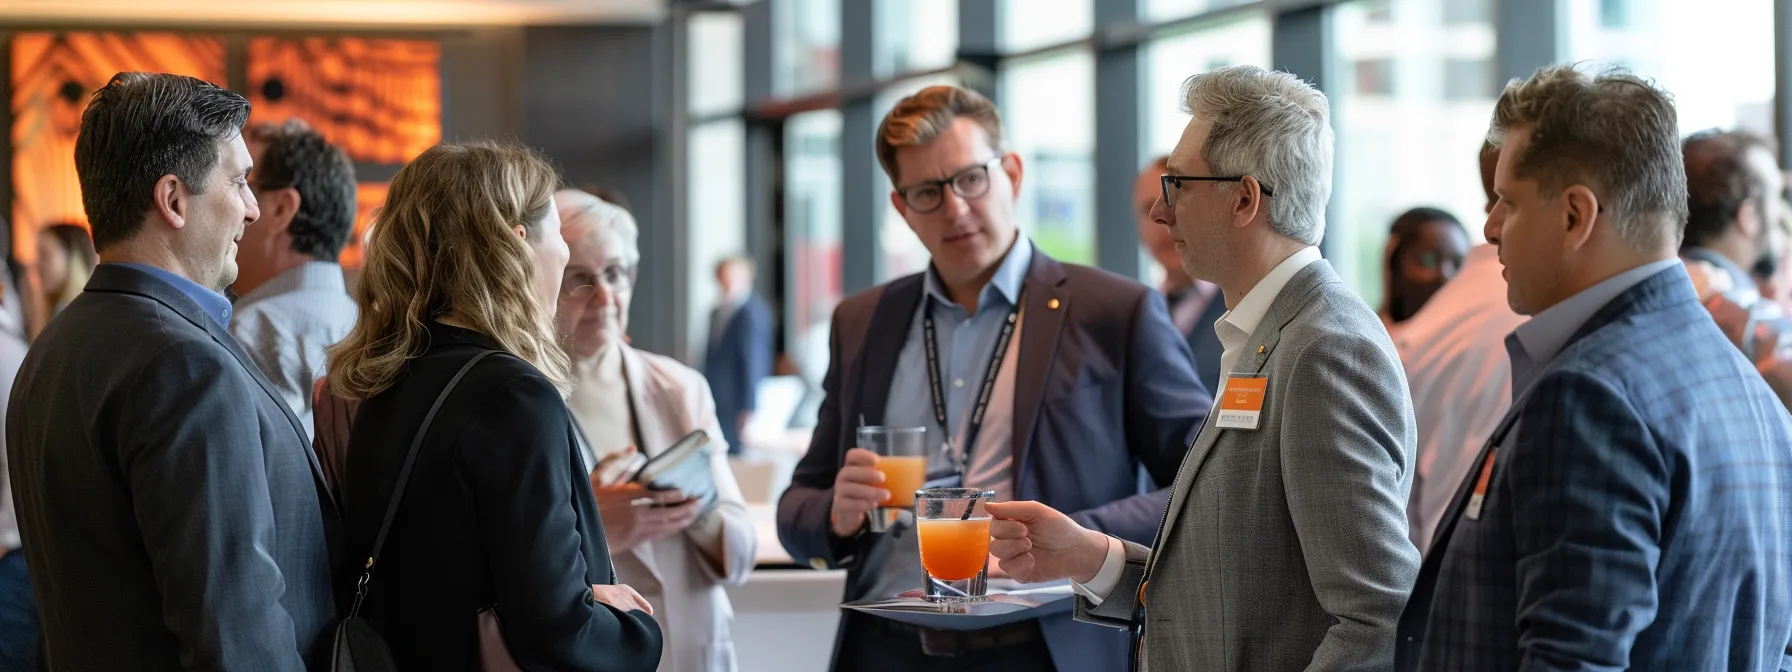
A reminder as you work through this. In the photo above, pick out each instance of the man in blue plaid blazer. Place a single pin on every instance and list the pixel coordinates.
(1629, 512)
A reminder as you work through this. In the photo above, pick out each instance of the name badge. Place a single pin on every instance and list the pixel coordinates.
(1473, 510)
(1241, 404)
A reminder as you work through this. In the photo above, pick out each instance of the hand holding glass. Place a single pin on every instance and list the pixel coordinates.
(902, 459)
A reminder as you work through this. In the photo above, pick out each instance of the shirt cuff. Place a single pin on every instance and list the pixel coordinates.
(1097, 589)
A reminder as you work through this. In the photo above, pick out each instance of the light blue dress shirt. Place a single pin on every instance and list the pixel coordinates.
(213, 303)
(966, 342)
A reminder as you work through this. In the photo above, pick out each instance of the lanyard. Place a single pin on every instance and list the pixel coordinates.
(975, 423)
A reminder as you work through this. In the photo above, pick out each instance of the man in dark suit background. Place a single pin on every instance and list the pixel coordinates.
(1629, 511)
(1096, 387)
(1195, 304)
(172, 512)
(740, 348)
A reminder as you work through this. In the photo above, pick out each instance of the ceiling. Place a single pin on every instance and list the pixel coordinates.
(359, 13)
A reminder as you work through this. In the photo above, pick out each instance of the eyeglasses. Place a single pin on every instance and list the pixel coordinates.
(582, 284)
(1173, 182)
(970, 183)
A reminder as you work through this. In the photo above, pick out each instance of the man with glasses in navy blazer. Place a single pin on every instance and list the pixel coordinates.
(1087, 403)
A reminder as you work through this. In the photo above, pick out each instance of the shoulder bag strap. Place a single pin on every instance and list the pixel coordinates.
(404, 477)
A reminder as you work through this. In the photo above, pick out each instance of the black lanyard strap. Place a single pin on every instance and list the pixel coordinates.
(975, 423)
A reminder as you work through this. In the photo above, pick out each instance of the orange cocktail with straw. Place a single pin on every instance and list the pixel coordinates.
(953, 531)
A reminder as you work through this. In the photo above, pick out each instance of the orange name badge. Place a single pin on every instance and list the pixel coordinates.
(1473, 510)
(1241, 404)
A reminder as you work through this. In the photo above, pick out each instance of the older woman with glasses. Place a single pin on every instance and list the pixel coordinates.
(678, 555)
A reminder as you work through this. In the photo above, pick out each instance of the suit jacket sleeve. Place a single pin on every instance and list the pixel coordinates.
(519, 461)
(1346, 452)
(1589, 488)
(198, 479)
(1117, 608)
(725, 534)
(1166, 405)
(804, 508)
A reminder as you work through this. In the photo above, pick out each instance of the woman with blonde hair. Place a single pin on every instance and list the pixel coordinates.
(680, 552)
(65, 259)
(465, 261)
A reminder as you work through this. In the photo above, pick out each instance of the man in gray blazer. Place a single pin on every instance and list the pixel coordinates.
(1284, 546)
(172, 513)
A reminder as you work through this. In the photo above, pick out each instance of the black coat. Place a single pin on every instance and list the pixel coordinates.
(498, 512)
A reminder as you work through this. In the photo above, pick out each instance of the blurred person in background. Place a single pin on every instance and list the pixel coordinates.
(1733, 203)
(678, 554)
(1194, 304)
(466, 259)
(293, 303)
(1426, 247)
(1455, 361)
(18, 611)
(65, 259)
(739, 354)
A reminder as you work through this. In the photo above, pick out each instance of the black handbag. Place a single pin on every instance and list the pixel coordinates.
(358, 647)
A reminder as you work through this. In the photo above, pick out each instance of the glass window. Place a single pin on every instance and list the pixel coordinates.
(715, 53)
(1027, 24)
(903, 252)
(1173, 58)
(1410, 115)
(716, 212)
(1166, 10)
(812, 232)
(922, 35)
(1051, 125)
(806, 43)
(1717, 83)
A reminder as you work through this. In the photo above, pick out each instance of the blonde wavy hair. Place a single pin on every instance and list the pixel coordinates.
(445, 245)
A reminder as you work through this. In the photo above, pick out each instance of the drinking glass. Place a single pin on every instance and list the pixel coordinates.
(954, 540)
(902, 458)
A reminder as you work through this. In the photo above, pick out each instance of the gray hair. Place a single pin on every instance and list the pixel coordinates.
(1276, 128)
(594, 216)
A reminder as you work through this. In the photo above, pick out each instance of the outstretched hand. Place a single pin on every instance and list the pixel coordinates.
(1033, 542)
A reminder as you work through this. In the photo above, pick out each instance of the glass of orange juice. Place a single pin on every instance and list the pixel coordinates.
(954, 540)
(902, 458)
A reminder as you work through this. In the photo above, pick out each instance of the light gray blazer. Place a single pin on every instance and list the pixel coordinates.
(1285, 547)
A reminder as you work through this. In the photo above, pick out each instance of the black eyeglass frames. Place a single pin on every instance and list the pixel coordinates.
(970, 183)
(1173, 182)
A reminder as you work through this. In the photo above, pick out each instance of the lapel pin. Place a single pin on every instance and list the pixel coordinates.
(1262, 349)
(1052, 304)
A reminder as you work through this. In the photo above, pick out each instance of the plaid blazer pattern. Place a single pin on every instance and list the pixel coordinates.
(1636, 513)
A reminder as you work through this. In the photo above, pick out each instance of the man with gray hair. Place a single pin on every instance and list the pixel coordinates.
(1628, 512)
(1284, 546)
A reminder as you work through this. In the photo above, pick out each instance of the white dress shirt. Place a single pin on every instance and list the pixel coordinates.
(1234, 329)
(1459, 377)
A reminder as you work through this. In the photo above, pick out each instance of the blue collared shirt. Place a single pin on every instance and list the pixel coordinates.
(213, 303)
(965, 344)
(1535, 343)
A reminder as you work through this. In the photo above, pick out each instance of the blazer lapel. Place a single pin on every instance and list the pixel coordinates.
(889, 329)
(647, 403)
(1047, 303)
(114, 278)
(1294, 296)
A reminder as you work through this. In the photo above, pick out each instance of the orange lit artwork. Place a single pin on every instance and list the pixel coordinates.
(378, 99)
(53, 74)
(369, 196)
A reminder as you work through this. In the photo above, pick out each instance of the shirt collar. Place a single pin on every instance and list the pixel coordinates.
(314, 275)
(213, 303)
(1010, 277)
(1538, 341)
(1255, 304)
